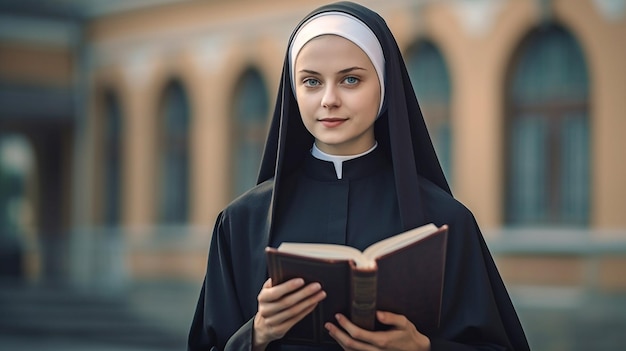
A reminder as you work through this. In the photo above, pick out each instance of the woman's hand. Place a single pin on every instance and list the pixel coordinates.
(281, 307)
(402, 336)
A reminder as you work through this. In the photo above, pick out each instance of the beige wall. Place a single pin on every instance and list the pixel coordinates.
(207, 45)
(25, 63)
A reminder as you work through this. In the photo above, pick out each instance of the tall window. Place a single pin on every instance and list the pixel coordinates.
(431, 81)
(249, 129)
(112, 155)
(548, 132)
(173, 143)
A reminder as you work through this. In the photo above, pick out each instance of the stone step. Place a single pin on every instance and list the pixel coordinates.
(60, 312)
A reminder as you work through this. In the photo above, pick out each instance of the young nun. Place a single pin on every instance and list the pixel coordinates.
(348, 160)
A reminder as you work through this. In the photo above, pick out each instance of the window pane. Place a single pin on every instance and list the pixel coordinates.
(528, 202)
(174, 185)
(431, 82)
(575, 172)
(429, 73)
(112, 159)
(250, 116)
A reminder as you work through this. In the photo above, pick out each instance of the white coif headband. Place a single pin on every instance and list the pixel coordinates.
(346, 26)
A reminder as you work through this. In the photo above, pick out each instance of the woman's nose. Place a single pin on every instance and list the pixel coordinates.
(331, 97)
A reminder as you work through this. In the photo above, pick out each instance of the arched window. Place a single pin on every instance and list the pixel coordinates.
(431, 81)
(173, 144)
(249, 128)
(548, 132)
(112, 157)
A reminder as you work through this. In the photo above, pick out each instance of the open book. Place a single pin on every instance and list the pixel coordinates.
(401, 274)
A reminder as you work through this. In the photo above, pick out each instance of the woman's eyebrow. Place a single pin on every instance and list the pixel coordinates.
(308, 71)
(343, 71)
(348, 70)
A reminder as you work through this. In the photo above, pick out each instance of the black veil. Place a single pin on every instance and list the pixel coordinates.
(400, 129)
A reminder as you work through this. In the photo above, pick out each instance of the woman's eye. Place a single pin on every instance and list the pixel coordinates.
(311, 82)
(351, 80)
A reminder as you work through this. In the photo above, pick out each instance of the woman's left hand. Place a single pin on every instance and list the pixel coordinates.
(402, 336)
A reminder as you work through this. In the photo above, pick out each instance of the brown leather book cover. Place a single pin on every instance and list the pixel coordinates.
(333, 275)
(406, 281)
(410, 281)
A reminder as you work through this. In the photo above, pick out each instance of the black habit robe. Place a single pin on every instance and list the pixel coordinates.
(396, 187)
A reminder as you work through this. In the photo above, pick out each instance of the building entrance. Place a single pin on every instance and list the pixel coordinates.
(35, 196)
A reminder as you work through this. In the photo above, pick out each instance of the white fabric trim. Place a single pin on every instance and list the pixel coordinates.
(346, 26)
(337, 160)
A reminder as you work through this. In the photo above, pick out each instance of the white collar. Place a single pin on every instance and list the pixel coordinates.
(337, 160)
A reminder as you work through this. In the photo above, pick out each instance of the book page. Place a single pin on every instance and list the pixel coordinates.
(365, 259)
(324, 251)
(398, 241)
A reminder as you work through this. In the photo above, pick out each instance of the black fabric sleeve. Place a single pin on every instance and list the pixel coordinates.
(445, 345)
(242, 339)
(218, 313)
(198, 338)
(477, 313)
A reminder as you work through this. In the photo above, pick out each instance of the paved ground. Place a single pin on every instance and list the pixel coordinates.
(60, 344)
(554, 320)
(562, 321)
(147, 317)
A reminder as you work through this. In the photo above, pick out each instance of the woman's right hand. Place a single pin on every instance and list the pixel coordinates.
(281, 307)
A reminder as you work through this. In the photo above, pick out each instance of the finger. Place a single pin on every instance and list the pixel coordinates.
(284, 312)
(276, 325)
(354, 331)
(273, 293)
(345, 340)
(281, 322)
(388, 318)
(302, 294)
(305, 296)
(270, 301)
(337, 333)
(300, 315)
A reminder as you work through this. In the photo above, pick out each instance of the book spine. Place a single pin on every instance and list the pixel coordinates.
(363, 291)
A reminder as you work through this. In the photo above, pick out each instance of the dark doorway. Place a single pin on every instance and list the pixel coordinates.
(37, 232)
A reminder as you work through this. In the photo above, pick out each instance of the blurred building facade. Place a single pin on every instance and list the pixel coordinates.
(124, 132)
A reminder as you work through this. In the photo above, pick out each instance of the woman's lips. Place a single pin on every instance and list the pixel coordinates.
(332, 122)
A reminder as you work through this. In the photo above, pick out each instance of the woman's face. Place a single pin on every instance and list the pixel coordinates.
(338, 94)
